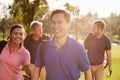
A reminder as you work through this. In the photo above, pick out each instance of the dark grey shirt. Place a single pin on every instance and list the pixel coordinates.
(96, 48)
(32, 46)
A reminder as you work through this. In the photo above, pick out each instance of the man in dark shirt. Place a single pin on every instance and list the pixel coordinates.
(97, 44)
(33, 40)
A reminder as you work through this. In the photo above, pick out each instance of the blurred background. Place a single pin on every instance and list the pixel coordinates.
(83, 12)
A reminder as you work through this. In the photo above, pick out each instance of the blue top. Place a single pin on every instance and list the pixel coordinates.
(64, 63)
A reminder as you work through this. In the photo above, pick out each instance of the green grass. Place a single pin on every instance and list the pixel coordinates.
(115, 65)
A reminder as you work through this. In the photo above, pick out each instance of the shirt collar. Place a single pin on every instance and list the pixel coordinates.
(66, 43)
(19, 50)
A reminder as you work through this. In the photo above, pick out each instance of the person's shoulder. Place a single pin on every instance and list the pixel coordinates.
(75, 45)
(24, 50)
(106, 38)
(29, 36)
(24, 53)
(74, 42)
(90, 34)
(45, 36)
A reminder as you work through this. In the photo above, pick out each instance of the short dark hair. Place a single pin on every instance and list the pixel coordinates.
(34, 24)
(66, 14)
(101, 24)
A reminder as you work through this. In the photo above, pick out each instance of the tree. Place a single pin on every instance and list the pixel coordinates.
(113, 27)
(5, 25)
(25, 11)
(74, 10)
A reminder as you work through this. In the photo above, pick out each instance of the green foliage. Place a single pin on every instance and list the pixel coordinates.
(5, 25)
(25, 11)
(113, 27)
(73, 9)
(70, 7)
(46, 24)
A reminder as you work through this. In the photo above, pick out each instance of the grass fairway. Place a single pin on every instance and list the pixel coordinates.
(116, 63)
(115, 66)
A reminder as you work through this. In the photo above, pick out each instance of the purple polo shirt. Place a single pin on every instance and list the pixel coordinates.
(64, 63)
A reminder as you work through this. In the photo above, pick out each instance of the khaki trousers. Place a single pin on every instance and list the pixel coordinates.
(97, 72)
(42, 74)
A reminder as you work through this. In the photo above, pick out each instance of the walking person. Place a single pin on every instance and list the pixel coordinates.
(97, 44)
(64, 57)
(14, 57)
(32, 41)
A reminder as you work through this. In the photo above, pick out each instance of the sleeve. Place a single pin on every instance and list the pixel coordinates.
(108, 45)
(83, 60)
(87, 40)
(27, 58)
(37, 61)
(26, 42)
(47, 38)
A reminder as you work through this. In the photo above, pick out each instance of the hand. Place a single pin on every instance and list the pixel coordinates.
(105, 63)
(109, 73)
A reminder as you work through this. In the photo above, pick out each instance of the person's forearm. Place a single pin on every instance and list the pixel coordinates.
(35, 74)
(109, 60)
(109, 63)
(27, 70)
(88, 75)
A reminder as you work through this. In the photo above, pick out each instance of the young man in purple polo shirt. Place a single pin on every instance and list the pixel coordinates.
(64, 58)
